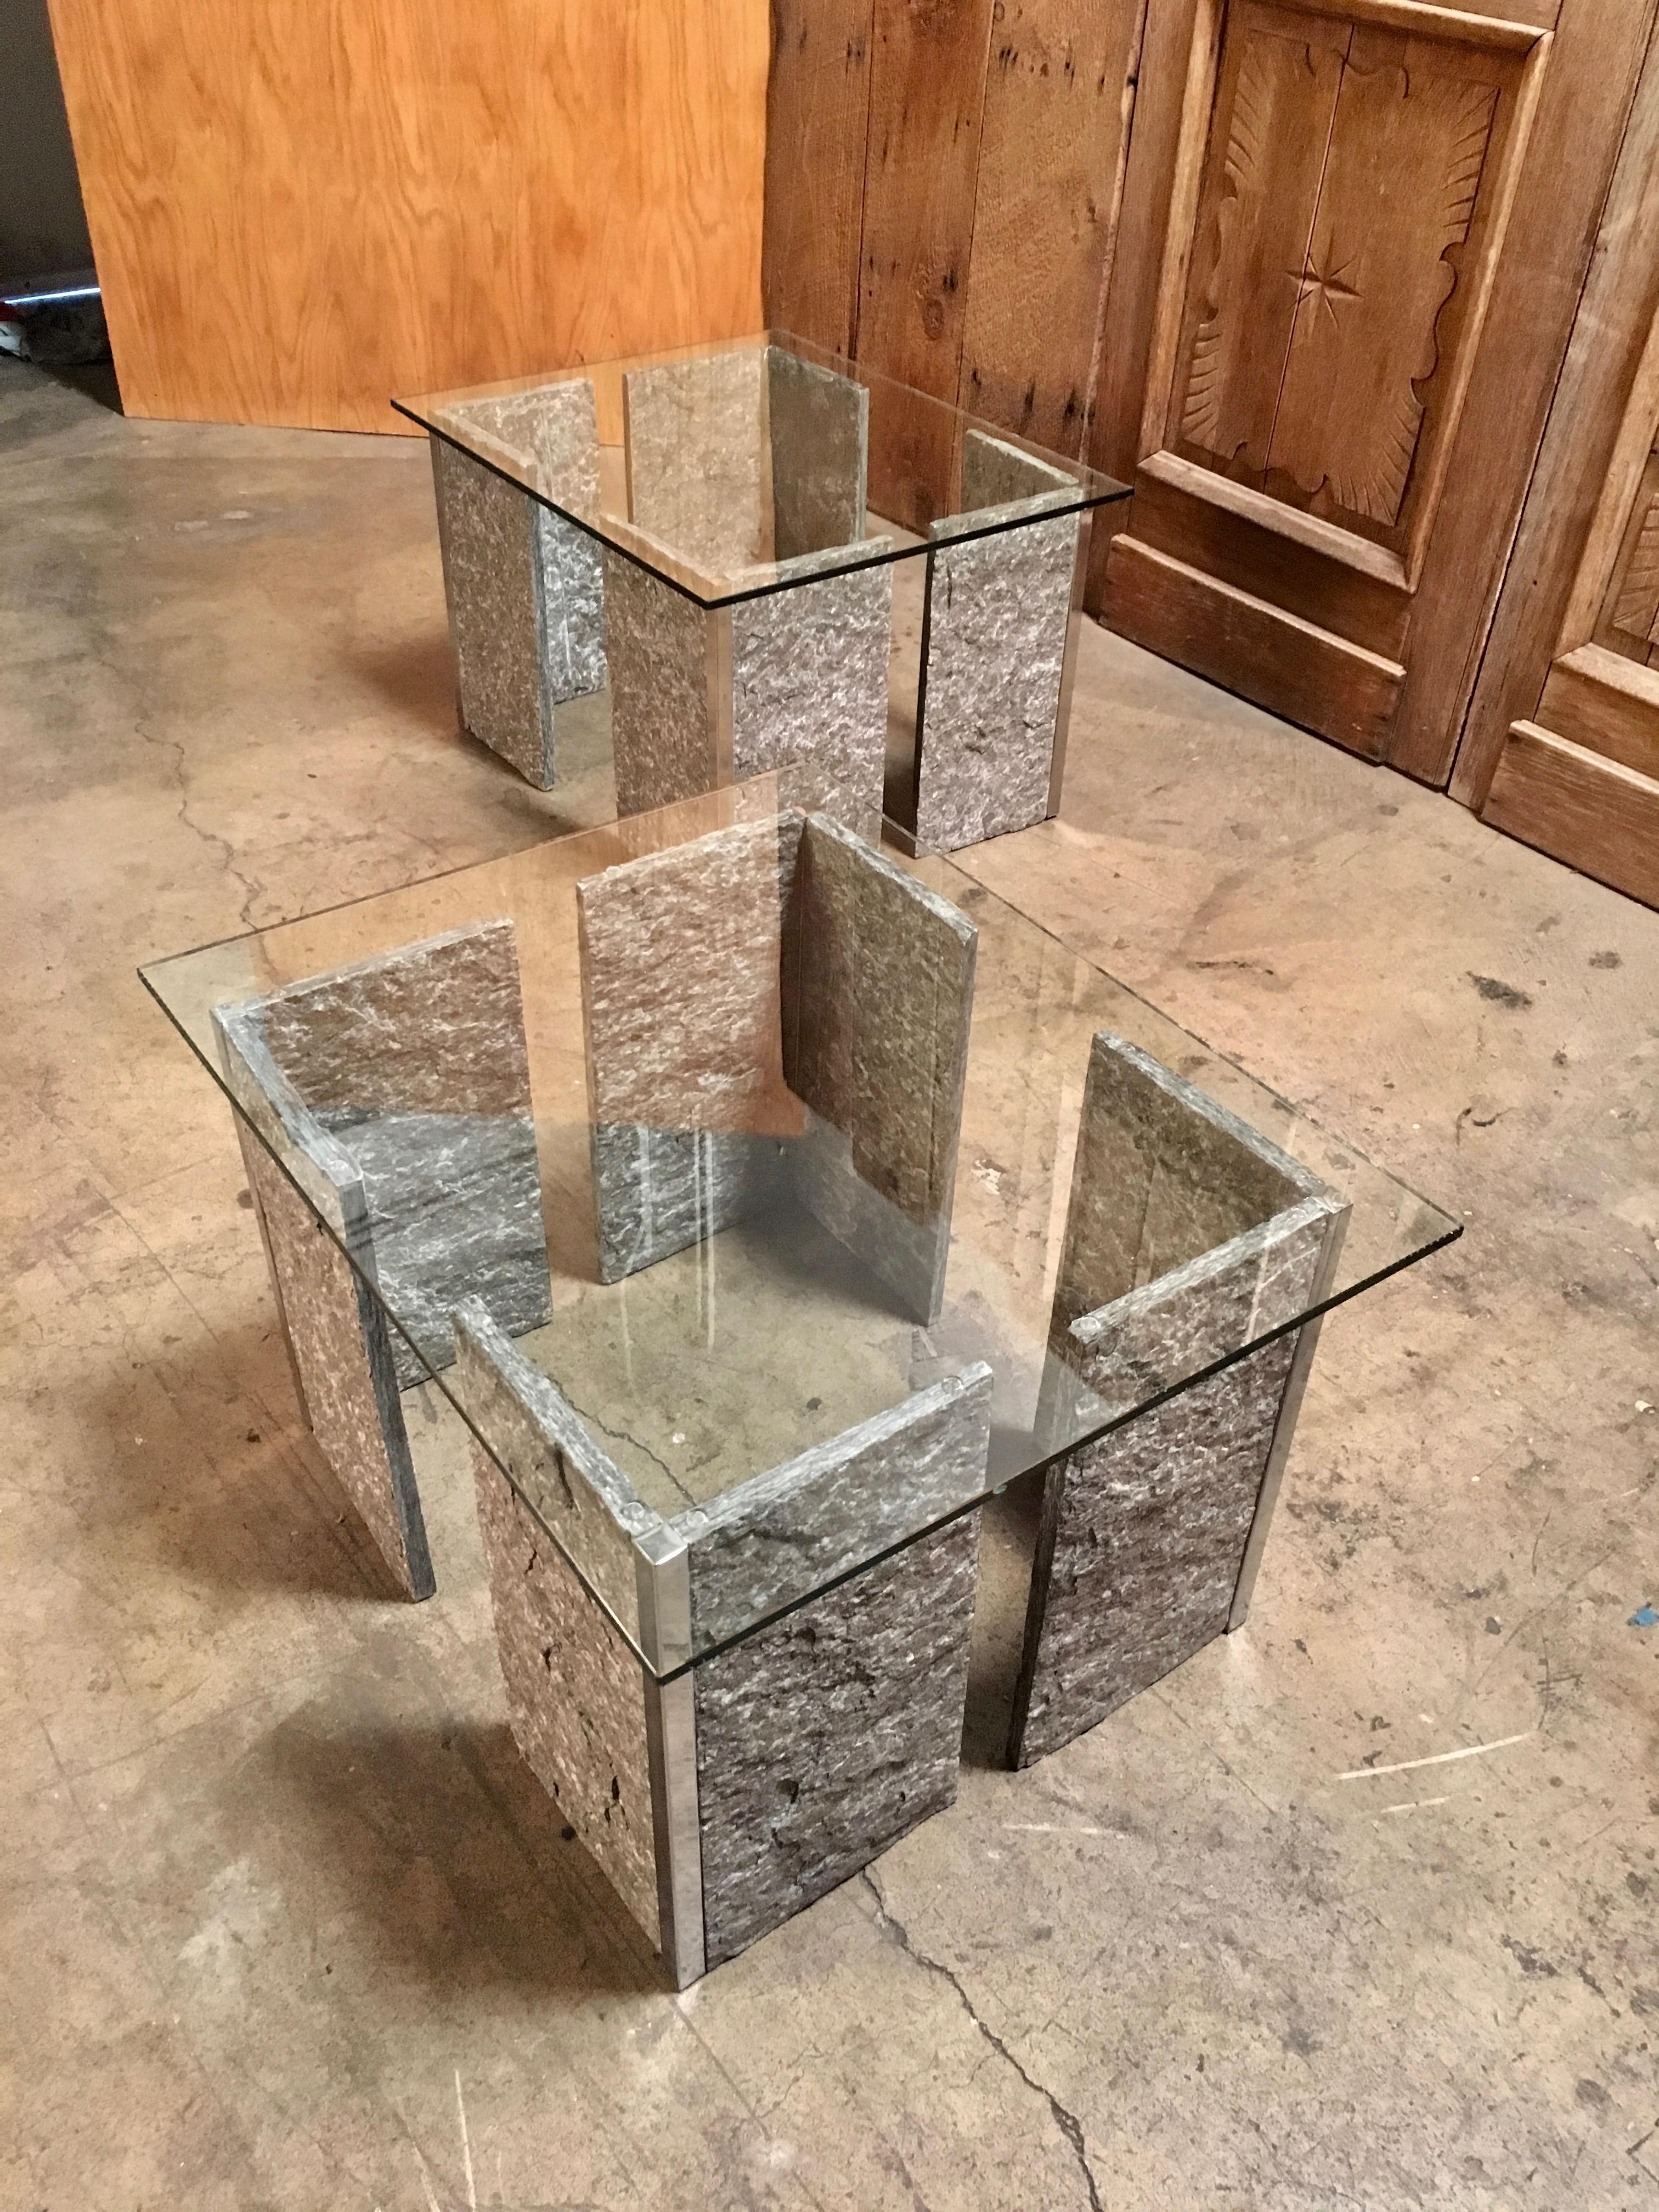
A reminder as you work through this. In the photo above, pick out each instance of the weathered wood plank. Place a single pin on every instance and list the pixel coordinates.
(1586, 90)
(818, 112)
(1607, 703)
(1290, 666)
(927, 100)
(1058, 97)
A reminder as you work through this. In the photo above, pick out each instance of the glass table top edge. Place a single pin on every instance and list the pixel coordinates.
(1449, 1232)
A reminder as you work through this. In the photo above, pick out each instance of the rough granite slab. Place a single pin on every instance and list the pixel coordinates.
(338, 1337)
(1113, 1359)
(1144, 1530)
(454, 1205)
(1141, 1541)
(656, 1191)
(576, 1694)
(492, 585)
(550, 435)
(818, 428)
(432, 1028)
(680, 984)
(876, 1036)
(825, 1737)
(809, 686)
(415, 1064)
(993, 650)
(578, 1490)
(662, 722)
(1162, 1175)
(698, 463)
(777, 1538)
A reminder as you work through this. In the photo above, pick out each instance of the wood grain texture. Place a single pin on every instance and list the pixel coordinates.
(1584, 97)
(1356, 188)
(818, 116)
(1059, 92)
(1598, 816)
(1303, 563)
(1589, 462)
(927, 100)
(1290, 666)
(300, 208)
(1161, 179)
(1605, 703)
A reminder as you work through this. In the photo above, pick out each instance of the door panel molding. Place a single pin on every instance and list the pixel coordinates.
(1288, 664)
(1595, 814)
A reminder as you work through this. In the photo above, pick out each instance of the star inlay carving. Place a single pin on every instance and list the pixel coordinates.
(1326, 286)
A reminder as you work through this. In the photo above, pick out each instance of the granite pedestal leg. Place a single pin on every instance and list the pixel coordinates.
(396, 1094)
(1188, 1236)
(779, 1754)
(523, 585)
(776, 1013)
(996, 652)
(339, 1339)
(705, 696)
(745, 470)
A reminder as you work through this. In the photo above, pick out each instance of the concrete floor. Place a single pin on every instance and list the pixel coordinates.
(283, 1922)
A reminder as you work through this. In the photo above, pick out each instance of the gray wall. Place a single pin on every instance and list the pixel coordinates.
(43, 226)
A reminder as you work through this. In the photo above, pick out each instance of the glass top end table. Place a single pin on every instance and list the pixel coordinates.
(764, 1202)
(752, 553)
(722, 466)
(763, 1131)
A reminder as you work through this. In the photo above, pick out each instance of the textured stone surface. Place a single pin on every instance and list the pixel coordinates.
(880, 995)
(994, 649)
(454, 1205)
(339, 1341)
(662, 725)
(818, 431)
(575, 1693)
(415, 1064)
(574, 1486)
(1144, 1530)
(1162, 1175)
(1142, 1539)
(434, 1028)
(524, 587)
(696, 458)
(776, 1539)
(823, 1739)
(809, 685)
(656, 1191)
(484, 536)
(681, 983)
(550, 437)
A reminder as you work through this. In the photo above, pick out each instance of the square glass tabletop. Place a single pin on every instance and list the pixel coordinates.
(751, 465)
(751, 1141)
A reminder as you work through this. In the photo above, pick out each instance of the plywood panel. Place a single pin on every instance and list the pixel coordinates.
(300, 207)
(1058, 91)
(816, 121)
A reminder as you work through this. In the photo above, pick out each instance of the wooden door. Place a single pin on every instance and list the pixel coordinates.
(1561, 747)
(1379, 217)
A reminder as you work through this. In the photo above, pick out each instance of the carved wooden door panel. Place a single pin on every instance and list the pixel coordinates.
(1562, 747)
(1367, 281)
